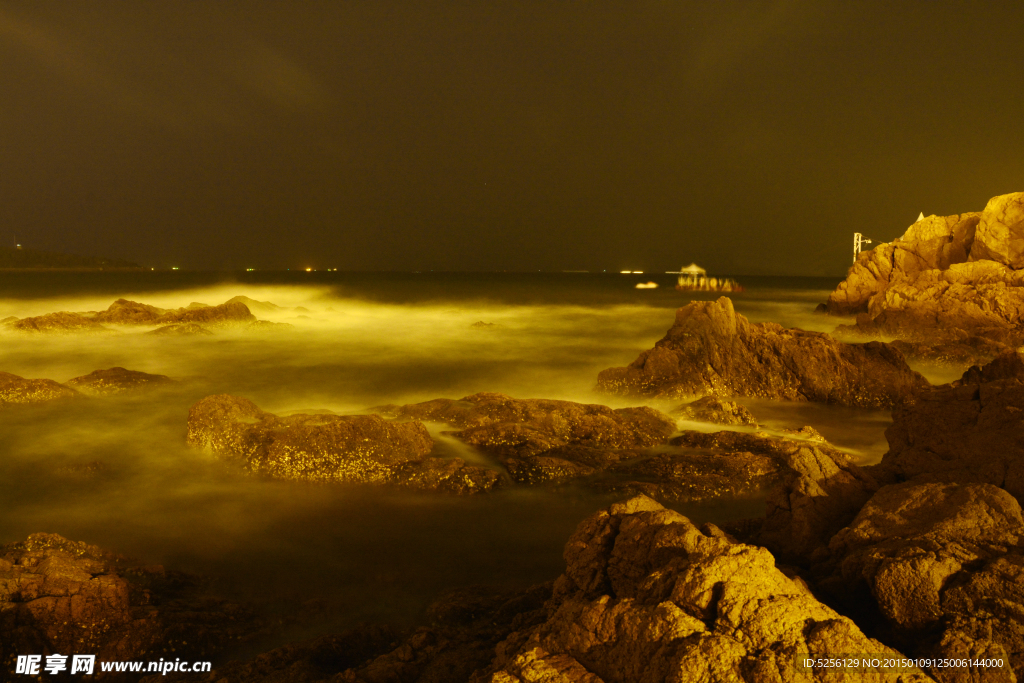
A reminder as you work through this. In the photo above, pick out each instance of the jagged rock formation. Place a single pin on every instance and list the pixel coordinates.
(951, 279)
(968, 431)
(944, 566)
(329, 448)
(125, 312)
(254, 305)
(117, 381)
(224, 314)
(18, 390)
(647, 597)
(711, 350)
(715, 410)
(542, 440)
(59, 323)
(67, 597)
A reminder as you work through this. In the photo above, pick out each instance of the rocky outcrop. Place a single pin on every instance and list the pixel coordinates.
(329, 448)
(254, 305)
(948, 279)
(966, 432)
(225, 314)
(711, 350)
(649, 597)
(68, 597)
(125, 312)
(117, 381)
(56, 323)
(943, 565)
(542, 440)
(716, 411)
(16, 390)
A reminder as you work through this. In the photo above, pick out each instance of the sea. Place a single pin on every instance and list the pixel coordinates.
(116, 472)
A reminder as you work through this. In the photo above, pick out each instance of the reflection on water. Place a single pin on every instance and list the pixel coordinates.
(360, 342)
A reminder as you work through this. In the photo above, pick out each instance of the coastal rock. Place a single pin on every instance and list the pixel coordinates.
(125, 312)
(117, 381)
(943, 564)
(255, 306)
(328, 448)
(68, 597)
(56, 323)
(181, 330)
(946, 281)
(649, 597)
(967, 431)
(711, 350)
(232, 313)
(18, 390)
(542, 440)
(715, 410)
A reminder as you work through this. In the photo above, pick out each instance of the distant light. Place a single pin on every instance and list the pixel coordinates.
(625, 272)
(638, 272)
(249, 270)
(152, 268)
(174, 268)
(309, 270)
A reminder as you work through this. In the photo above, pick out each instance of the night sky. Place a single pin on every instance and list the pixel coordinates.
(750, 137)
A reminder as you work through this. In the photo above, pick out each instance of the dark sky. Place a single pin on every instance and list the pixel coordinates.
(750, 137)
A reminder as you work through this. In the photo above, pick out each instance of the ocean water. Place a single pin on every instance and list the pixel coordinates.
(326, 557)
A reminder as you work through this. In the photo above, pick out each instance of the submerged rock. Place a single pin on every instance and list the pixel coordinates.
(542, 440)
(117, 381)
(715, 410)
(56, 323)
(329, 448)
(647, 597)
(18, 390)
(181, 330)
(254, 305)
(711, 350)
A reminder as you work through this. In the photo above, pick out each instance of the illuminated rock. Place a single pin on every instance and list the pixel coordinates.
(716, 411)
(125, 312)
(117, 381)
(943, 565)
(329, 448)
(711, 350)
(952, 282)
(647, 596)
(224, 314)
(540, 439)
(57, 323)
(18, 390)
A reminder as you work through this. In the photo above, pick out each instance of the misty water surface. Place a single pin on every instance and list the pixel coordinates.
(354, 554)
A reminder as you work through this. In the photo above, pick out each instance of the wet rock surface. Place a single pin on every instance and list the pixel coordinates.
(15, 390)
(711, 350)
(117, 381)
(69, 597)
(649, 597)
(541, 440)
(329, 448)
(714, 410)
(225, 314)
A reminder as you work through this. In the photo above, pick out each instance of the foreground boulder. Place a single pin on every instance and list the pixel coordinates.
(711, 350)
(942, 565)
(648, 597)
(967, 432)
(953, 280)
(18, 390)
(117, 381)
(544, 440)
(329, 448)
(68, 597)
(716, 411)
